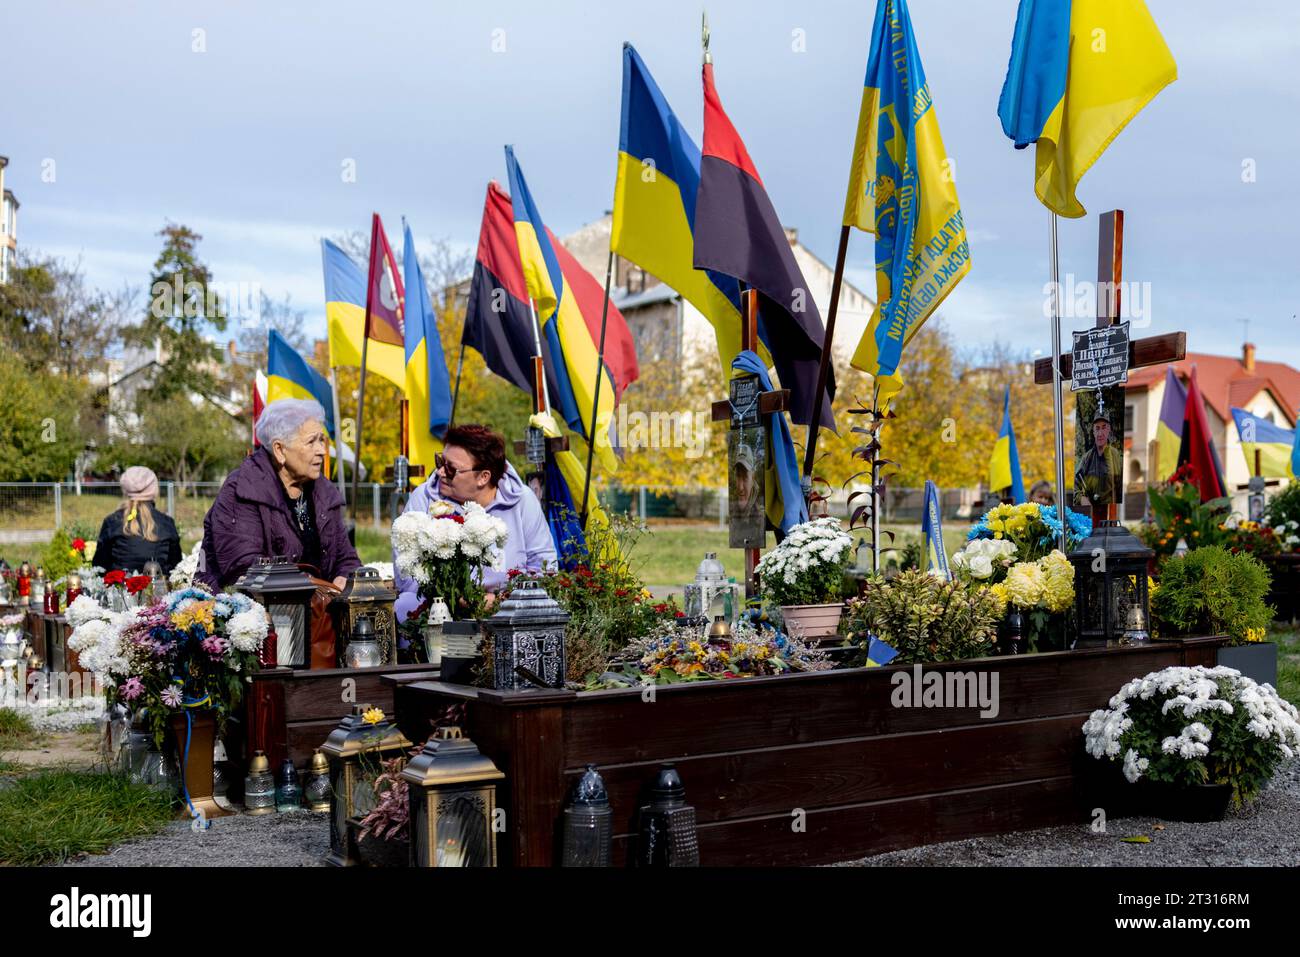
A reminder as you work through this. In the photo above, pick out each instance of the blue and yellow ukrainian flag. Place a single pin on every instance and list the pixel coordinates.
(1275, 444)
(428, 387)
(902, 188)
(1079, 71)
(936, 558)
(1004, 464)
(879, 653)
(654, 207)
(562, 324)
(290, 376)
(345, 319)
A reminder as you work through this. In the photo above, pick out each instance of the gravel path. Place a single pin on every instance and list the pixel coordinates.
(271, 840)
(1267, 834)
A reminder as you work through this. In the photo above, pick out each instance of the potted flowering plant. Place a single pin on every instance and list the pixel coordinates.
(608, 605)
(443, 551)
(804, 575)
(184, 660)
(1199, 738)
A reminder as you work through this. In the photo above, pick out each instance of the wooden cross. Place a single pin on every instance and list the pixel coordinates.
(1153, 350)
(775, 401)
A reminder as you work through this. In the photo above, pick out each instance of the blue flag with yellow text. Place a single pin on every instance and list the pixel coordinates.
(936, 559)
(902, 188)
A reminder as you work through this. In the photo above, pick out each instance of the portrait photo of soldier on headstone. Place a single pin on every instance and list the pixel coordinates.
(745, 511)
(1099, 448)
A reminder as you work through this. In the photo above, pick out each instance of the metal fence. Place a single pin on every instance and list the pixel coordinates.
(31, 511)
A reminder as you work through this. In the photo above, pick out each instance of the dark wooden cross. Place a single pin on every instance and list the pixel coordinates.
(1153, 350)
(769, 403)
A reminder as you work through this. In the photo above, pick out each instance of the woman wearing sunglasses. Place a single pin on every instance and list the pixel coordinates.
(473, 468)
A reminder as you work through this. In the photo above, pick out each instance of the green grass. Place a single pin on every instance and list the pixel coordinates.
(1288, 661)
(49, 816)
(14, 727)
(670, 552)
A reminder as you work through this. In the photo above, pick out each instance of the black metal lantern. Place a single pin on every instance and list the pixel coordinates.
(667, 832)
(350, 793)
(366, 593)
(1110, 579)
(285, 591)
(453, 791)
(527, 640)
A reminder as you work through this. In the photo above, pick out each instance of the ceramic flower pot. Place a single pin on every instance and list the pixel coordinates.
(813, 622)
(1257, 660)
(1196, 803)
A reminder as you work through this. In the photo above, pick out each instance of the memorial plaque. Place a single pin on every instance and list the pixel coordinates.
(1099, 448)
(744, 394)
(1100, 358)
(746, 451)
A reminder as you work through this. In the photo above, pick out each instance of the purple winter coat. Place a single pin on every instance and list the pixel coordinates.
(250, 520)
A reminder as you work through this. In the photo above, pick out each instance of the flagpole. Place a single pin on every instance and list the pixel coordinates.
(537, 350)
(875, 498)
(1057, 420)
(338, 432)
(823, 368)
(460, 364)
(365, 343)
(595, 402)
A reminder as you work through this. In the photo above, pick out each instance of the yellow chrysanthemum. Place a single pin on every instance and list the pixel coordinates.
(1025, 584)
(696, 648)
(1058, 587)
(373, 715)
(999, 592)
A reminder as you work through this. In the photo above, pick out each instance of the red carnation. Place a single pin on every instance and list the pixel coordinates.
(138, 583)
(514, 573)
(79, 544)
(115, 577)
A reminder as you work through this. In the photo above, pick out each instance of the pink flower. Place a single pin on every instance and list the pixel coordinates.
(214, 645)
(132, 689)
(171, 696)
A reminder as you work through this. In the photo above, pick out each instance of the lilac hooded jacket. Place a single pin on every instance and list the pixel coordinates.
(250, 520)
(529, 546)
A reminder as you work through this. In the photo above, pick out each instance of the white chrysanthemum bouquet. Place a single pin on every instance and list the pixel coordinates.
(444, 550)
(807, 568)
(1194, 726)
(192, 650)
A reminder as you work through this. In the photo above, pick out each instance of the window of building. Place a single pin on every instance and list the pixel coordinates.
(1128, 420)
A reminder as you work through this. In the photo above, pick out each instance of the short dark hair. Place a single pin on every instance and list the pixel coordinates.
(485, 447)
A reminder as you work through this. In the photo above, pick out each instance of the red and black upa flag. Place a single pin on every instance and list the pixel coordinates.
(737, 232)
(1197, 448)
(498, 324)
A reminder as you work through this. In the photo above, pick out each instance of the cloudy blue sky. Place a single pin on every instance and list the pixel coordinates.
(246, 141)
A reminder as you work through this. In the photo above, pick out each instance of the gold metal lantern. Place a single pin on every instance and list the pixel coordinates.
(453, 803)
(355, 740)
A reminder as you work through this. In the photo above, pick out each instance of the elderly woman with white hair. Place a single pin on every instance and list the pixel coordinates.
(277, 503)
